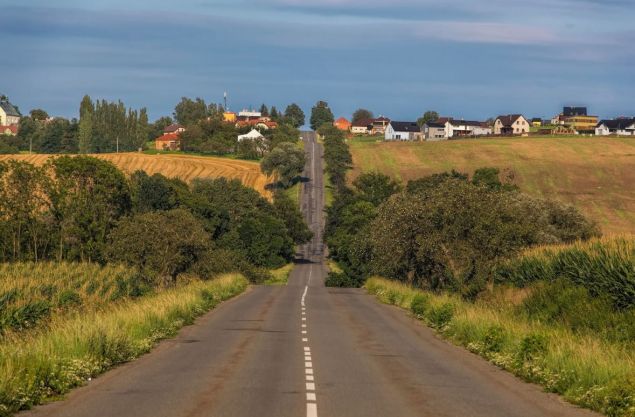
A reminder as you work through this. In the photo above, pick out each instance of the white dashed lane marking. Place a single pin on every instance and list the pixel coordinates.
(311, 399)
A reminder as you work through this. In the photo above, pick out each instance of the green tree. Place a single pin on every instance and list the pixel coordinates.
(264, 110)
(142, 129)
(375, 187)
(39, 114)
(321, 114)
(286, 161)
(188, 111)
(86, 110)
(288, 211)
(25, 226)
(294, 115)
(161, 244)
(275, 115)
(88, 196)
(361, 114)
(429, 116)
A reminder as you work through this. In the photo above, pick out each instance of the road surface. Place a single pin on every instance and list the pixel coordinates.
(305, 350)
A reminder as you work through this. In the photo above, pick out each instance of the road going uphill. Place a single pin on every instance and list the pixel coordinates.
(305, 350)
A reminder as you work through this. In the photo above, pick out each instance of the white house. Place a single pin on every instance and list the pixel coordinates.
(360, 127)
(619, 127)
(253, 135)
(511, 124)
(9, 115)
(456, 128)
(403, 131)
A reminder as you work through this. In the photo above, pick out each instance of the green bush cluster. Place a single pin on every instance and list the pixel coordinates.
(604, 267)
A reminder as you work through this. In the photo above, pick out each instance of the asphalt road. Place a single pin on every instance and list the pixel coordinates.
(305, 350)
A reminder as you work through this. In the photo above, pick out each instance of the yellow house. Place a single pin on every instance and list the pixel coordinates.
(582, 123)
(229, 117)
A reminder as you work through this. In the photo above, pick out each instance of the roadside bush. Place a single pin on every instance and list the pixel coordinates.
(440, 316)
(341, 279)
(419, 305)
(605, 267)
(172, 243)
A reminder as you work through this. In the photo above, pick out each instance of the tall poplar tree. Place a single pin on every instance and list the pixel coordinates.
(86, 111)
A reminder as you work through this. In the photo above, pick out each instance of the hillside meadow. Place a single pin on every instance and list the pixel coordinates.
(594, 174)
(184, 167)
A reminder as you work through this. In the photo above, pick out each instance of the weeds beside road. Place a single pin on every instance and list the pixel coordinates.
(46, 362)
(585, 369)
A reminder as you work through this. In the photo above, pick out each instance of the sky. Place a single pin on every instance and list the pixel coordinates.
(473, 59)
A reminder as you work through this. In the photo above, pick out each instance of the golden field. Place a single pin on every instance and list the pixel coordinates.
(597, 175)
(185, 167)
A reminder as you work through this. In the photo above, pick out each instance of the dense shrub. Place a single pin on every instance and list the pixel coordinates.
(602, 266)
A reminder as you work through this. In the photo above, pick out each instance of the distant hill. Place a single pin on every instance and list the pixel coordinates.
(596, 175)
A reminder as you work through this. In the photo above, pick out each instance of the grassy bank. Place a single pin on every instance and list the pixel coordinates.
(586, 369)
(48, 361)
(280, 276)
(592, 174)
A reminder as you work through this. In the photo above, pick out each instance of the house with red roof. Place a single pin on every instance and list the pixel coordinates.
(342, 124)
(168, 142)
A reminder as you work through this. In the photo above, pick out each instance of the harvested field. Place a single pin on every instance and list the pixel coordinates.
(597, 175)
(185, 167)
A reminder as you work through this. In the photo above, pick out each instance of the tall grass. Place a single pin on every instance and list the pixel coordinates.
(586, 370)
(31, 292)
(50, 360)
(604, 266)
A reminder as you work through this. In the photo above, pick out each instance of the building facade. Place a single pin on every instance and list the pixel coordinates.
(511, 124)
(619, 127)
(403, 131)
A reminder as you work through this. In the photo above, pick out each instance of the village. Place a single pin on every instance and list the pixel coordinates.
(252, 125)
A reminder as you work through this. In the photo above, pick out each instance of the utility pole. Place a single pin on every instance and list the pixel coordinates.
(225, 100)
(117, 143)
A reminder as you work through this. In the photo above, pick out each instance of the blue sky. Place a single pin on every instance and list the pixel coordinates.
(465, 58)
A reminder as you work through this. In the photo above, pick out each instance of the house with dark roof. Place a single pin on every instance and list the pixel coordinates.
(619, 127)
(173, 128)
(458, 128)
(379, 125)
(361, 127)
(9, 115)
(434, 131)
(511, 124)
(403, 131)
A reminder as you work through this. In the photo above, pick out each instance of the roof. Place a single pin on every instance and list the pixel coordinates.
(381, 119)
(255, 122)
(509, 119)
(466, 123)
(363, 123)
(405, 126)
(9, 109)
(168, 137)
(342, 120)
(253, 134)
(11, 128)
(617, 123)
(435, 124)
(172, 128)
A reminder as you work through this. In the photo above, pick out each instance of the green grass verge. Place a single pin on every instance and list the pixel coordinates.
(47, 362)
(280, 276)
(586, 370)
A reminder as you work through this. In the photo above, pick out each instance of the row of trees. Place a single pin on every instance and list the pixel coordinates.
(109, 127)
(445, 231)
(85, 209)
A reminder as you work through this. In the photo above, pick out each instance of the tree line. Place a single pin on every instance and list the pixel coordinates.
(85, 209)
(441, 232)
